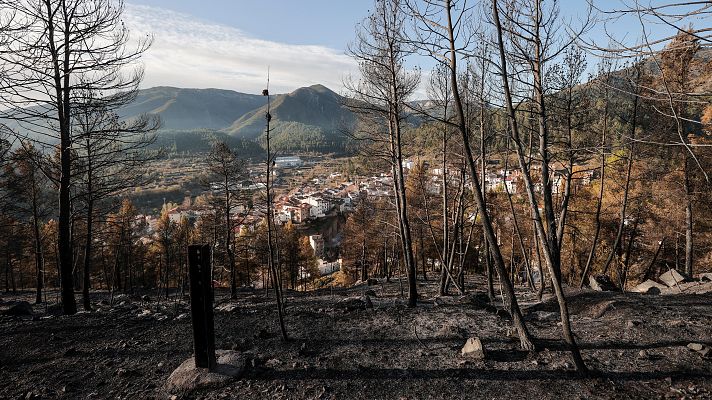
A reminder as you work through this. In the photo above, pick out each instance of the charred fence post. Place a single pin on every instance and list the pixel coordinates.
(201, 305)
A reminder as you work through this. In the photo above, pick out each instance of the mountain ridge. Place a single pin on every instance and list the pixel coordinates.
(310, 118)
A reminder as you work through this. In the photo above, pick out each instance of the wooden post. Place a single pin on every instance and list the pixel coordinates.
(201, 305)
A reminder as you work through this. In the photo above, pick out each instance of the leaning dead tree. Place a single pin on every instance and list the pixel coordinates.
(55, 51)
(441, 33)
(531, 31)
(379, 97)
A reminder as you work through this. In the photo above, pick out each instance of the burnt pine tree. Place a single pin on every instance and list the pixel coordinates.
(109, 159)
(441, 33)
(228, 171)
(530, 22)
(53, 49)
(380, 97)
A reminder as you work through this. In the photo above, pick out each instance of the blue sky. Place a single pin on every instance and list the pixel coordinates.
(228, 44)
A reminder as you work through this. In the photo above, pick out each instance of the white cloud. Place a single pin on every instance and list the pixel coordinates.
(190, 53)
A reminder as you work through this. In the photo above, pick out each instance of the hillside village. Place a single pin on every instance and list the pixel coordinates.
(304, 198)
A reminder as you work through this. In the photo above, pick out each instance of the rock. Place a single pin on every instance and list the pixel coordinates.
(367, 302)
(372, 281)
(706, 277)
(701, 349)
(601, 283)
(187, 378)
(672, 278)
(473, 348)
(351, 304)
(20, 309)
(643, 354)
(696, 346)
(145, 298)
(370, 292)
(649, 287)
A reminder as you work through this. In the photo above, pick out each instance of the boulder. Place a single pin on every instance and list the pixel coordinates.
(649, 287)
(672, 278)
(473, 348)
(351, 304)
(187, 378)
(20, 309)
(601, 283)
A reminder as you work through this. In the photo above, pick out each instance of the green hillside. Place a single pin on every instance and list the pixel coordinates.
(188, 109)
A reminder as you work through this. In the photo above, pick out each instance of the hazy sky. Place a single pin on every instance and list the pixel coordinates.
(229, 44)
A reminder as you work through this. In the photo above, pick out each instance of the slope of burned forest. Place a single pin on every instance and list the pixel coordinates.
(636, 344)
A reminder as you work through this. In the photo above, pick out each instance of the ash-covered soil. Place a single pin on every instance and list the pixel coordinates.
(635, 344)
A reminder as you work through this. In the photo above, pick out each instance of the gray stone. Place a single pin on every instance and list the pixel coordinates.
(696, 346)
(672, 278)
(648, 287)
(351, 304)
(20, 309)
(187, 378)
(473, 348)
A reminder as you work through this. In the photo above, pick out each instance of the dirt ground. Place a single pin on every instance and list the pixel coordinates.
(634, 343)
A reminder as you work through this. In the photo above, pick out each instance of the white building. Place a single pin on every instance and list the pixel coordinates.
(319, 205)
(288, 162)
